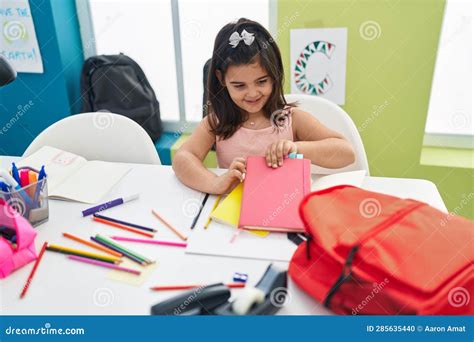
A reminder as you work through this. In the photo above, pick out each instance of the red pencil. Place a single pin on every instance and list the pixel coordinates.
(188, 287)
(33, 271)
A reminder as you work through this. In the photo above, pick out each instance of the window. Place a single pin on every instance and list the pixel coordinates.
(200, 21)
(165, 37)
(449, 122)
(143, 30)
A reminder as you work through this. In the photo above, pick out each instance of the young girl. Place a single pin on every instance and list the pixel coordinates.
(248, 115)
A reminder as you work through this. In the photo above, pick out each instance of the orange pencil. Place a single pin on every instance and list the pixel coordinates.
(188, 287)
(173, 229)
(121, 226)
(33, 271)
(93, 245)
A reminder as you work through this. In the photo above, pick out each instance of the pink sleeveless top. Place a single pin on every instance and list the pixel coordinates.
(250, 142)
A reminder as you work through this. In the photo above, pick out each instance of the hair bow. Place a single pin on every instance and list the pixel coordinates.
(235, 38)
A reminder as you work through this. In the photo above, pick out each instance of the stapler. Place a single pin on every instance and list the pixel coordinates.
(266, 298)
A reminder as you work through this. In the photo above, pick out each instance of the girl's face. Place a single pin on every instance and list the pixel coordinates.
(249, 86)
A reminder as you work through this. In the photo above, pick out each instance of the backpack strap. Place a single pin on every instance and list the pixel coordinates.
(345, 275)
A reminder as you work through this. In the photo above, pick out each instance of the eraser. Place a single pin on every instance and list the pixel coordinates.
(292, 155)
(299, 156)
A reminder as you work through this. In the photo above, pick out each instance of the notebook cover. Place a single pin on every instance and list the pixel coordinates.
(228, 211)
(271, 197)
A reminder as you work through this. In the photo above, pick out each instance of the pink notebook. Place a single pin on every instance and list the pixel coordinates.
(271, 197)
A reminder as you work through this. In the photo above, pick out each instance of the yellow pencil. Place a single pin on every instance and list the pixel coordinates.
(85, 253)
(213, 208)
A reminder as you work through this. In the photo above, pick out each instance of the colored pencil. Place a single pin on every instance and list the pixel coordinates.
(33, 271)
(103, 264)
(188, 287)
(154, 242)
(131, 257)
(216, 203)
(93, 245)
(173, 229)
(200, 210)
(67, 250)
(125, 223)
(121, 226)
(122, 248)
(110, 204)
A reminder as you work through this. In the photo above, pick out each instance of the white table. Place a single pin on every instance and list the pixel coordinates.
(65, 287)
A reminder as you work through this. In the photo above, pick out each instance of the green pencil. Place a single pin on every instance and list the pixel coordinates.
(113, 243)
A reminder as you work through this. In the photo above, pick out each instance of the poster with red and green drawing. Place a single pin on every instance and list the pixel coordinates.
(318, 62)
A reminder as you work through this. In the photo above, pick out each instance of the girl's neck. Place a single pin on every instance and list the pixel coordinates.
(255, 116)
(256, 120)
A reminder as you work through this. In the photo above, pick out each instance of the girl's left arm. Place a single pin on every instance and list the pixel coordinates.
(323, 146)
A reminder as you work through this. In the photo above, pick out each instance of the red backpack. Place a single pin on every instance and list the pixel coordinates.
(370, 253)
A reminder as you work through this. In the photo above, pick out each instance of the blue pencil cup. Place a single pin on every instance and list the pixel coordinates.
(31, 201)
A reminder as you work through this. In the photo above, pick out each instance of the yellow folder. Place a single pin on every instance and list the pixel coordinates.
(228, 211)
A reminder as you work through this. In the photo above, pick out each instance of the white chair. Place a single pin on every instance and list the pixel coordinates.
(99, 136)
(335, 118)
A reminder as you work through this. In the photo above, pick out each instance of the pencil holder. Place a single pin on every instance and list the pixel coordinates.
(31, 201)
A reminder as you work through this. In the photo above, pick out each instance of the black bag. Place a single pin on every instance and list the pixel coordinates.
(117, 84)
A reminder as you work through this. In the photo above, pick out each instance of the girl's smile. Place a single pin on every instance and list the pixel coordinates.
(249, 86)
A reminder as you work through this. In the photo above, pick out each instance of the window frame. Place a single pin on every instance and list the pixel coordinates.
(89, 49)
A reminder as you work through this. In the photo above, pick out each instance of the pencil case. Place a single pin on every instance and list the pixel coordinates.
(17, 240)
(30, 201)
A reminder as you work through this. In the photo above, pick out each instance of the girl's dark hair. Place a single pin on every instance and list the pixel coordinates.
(225, 116)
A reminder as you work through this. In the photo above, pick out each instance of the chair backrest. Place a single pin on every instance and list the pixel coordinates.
(99, 136)
(335, 118)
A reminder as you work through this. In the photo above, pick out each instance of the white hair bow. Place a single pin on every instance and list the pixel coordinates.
(235, 38)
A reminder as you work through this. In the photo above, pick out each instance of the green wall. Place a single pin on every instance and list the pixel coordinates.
(388, 82)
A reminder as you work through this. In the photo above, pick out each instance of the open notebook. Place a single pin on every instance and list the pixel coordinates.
(271, 197)
(72, 177)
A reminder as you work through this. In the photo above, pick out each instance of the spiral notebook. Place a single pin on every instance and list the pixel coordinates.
(271, 197)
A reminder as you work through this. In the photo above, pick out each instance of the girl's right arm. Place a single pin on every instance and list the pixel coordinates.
(190, 170)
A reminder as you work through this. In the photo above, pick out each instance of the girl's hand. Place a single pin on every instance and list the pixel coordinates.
(234, 175)
(278, 150)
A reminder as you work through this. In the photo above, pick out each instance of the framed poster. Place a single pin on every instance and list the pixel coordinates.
(318, 62)
(18, 43)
